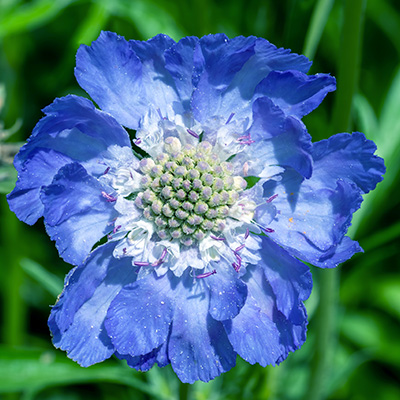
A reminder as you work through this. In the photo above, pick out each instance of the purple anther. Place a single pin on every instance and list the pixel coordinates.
(229, 119)
(272, 198)
(239, 259)
(236, 266)
(116, 228)
(161, 259)
(137, 141)
(194, 134)
(124, 250)
(163, 254)
(269, 230)
(246, 235)
(245, 139)
(205, 275)
(106, 171)
(216, 238)
(108, 197)
(141, 263)
(240, 247)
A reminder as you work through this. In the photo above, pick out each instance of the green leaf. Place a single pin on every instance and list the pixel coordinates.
(31, 15)
(318, 21)
(8, 177)
(375, 332)
(47, 280)
(149, 17)
(366, 117)
(26, 369)
(388, 294)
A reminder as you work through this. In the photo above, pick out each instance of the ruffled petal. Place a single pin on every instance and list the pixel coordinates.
(349, 157)
(285, 139)
(72, 130)
(217, 51)
(247, 62)
(75, 128)
(227, 292)
(198, 346)
(296, 93)
(39, 170)
(139, 318)
(312, 218)
(144, 362)
(77, 319)
(126, 78)
(77, 212)
(261, 333)
(290, 279)
(181, 62)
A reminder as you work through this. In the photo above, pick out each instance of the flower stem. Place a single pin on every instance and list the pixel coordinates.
(348, 72)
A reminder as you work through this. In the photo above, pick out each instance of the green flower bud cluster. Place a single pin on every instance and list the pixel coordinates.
(187, 192)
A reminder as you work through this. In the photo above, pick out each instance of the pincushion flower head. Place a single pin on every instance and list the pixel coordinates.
(189, 241)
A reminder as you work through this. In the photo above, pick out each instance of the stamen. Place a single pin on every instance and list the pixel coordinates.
(124, 250)
(116, 228)
(106, 171)
(236, 266)
(245, 139)
(137, 141)
(229, 119)
(194, 134)
(141, 263)
(163, 254)
(238, 258)
(246, 235)
(272, 198)
(108, 197)
(269, 230)
(216, 238)
(161, 259)
(240, 247)
(205, 275)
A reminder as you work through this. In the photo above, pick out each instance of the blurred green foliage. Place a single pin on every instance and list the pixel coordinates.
(38, 41)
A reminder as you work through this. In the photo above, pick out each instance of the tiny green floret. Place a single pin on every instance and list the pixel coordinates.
(186, 191)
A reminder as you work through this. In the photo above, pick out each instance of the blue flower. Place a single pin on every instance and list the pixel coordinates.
(179, 260)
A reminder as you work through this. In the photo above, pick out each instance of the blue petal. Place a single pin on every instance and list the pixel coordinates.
(198, 346)
(227, 293)
(292, 335)
(312, 218)
(217, 51)
(139, 318)
(180, 61)
(145, 362)
(246, 62)
(77, 319)
(74, 127)
(76, 213)
(39, 170)
(261, 333)
(158, 86)
(290, 141)
(296, 93)
(268, 119)
(125, 78)
(349, 157)
(72, 130)
(290, 279)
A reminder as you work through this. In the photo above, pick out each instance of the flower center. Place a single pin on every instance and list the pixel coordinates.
(187, 192)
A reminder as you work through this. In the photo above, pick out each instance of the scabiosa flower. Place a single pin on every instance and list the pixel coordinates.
(179, 259)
